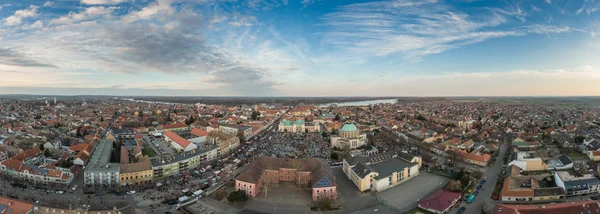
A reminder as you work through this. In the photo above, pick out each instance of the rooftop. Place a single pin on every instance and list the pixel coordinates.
(100, 160)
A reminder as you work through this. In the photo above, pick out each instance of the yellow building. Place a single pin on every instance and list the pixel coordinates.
(136, 173)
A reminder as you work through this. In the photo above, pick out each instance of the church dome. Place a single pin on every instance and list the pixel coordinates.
(349, 127)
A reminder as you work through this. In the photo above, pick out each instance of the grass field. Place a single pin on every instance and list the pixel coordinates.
(148, 151)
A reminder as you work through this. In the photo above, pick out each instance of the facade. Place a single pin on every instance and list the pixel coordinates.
(166, 166)
(136, 173)
(298, 126)
(179, 143)
(244, 132)
(99, 171)
(225, 143)
(382, 171)
(594, 155)
(527, 188)
(477, 158)
(575, 186)
(198, 136)
(527, 161)
(266, 170)
(349, 137)
(33, 166)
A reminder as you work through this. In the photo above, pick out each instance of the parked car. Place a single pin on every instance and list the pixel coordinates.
(99, 194)
(461, 210)
(479, 187)
(121, 193)
(496, 196)
(60, 192)
(594, 197)
(131, 192)
(74, 187)
(476, 193)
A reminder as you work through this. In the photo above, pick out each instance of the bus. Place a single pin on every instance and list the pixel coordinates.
(470, 199)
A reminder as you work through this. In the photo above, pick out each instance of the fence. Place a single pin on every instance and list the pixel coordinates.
(407, 207)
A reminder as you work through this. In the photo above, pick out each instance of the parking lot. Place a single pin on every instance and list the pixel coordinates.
(351, 199)
(405, 196)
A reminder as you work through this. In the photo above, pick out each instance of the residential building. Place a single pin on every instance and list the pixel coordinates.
(527, 188)
(32, 165)
(440, 201)
(476, 158)
(563, 162)
(528, 161)
(576, 185)
(12, 206)
(179, 143)
(198, 136)
(267, 170)
(136, 173)
(349, 137)
(586, 207)
(99, 171)
(382, 171)
(226, 143)
(175, 127)
(166, 166)
(3, 153)
(244, 132)
(594, 155)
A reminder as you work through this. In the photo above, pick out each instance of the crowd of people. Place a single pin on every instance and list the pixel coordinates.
(296, 145)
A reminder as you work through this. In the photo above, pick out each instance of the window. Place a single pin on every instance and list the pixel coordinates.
(318, 191)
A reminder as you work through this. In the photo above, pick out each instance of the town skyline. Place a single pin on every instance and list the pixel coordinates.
(300, 48)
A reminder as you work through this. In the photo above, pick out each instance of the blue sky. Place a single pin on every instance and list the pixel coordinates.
(300, 47)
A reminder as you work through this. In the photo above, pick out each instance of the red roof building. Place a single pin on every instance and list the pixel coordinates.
(586, 207)
(440, 201)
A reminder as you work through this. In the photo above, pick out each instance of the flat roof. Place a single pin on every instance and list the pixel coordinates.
(100, 160)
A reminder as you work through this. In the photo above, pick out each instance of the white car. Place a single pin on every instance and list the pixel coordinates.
(74, 187)
(131, 192)
(60, 192)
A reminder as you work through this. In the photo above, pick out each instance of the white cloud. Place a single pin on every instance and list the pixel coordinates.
(417, 28)
(48, 4)
(158, 9)
(534, 8)
(37, 24)
(100, 2)
(87, 14)
(17, 18)
(549, 1)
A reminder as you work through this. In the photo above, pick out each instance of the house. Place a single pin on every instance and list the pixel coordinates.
(594, 155)
(175, 127)
(225, 143)
(528, 161)
(563, 162)
(476, 158)
(586, 207)
(198, 135)
(266, 170)
(575, 185)
(381, 171)
(179, 143)
(244, 132)
(12, 206)
(440, 201)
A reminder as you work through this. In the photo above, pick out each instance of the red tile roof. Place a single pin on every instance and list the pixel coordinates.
(199, 132)
(177, 139)
(439, 200)
(174, 126)
(586, 207)
(16, 206)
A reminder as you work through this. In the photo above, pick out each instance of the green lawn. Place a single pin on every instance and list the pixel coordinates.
(148, 151)
(418, 210)
(576, 154)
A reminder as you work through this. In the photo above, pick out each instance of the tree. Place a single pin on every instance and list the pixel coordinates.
(47, 153)
(237, 196)
(337, 117)
(334, 156)
(254, 115)
(41, 146)
(324, 134)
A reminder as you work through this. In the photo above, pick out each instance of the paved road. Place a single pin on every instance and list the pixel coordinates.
(488, 188)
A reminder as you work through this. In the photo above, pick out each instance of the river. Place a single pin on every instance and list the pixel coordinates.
(363, 103)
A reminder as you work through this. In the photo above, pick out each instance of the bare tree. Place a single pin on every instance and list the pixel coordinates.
(297, 164)
(267, 177)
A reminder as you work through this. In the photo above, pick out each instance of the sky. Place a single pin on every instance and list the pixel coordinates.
(300, 47)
